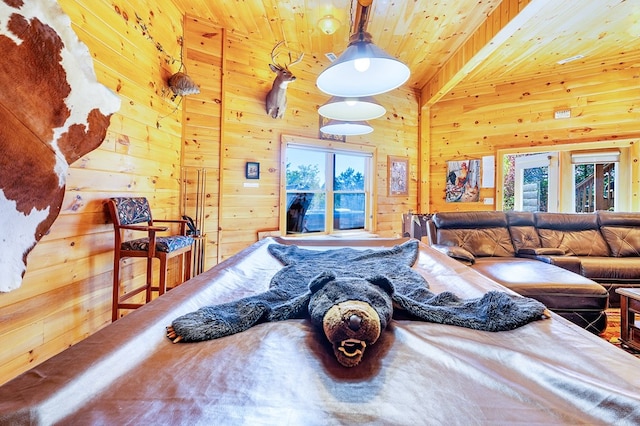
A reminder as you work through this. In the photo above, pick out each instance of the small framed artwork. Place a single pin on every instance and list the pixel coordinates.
(463, 181)
(252, 170)
(398, 175)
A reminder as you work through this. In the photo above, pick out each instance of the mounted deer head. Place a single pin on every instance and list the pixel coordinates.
(277, 96)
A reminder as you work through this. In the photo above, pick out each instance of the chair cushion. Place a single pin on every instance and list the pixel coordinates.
(164, 244)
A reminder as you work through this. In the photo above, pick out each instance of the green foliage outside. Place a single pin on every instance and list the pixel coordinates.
(307, 178)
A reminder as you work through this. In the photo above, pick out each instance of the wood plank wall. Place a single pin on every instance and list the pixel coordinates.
(202, 128)
(66, 291)
(474, 121)
(247, 133)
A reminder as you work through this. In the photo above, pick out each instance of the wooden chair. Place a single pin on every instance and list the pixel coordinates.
(134, 214)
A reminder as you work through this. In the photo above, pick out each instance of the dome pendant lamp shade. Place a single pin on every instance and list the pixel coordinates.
(352, 109)
(362, 70)
(347, 128)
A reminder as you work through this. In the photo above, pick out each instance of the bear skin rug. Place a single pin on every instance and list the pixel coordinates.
(351, 295)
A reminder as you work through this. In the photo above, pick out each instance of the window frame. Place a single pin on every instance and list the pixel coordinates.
(629, 152)
(363, 150)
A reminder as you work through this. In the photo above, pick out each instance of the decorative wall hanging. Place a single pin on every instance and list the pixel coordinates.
(463, 179)
(53, 111)
(182, 85)
(276, 102)
(252, 170)
(398, 175)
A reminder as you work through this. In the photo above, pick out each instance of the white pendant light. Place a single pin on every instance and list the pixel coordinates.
(362, 70)
(352, 109)
(347, 128)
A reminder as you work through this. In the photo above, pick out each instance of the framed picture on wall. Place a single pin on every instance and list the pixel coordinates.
(398, 175)
(252, 170)
(463, 178)
(327, 136)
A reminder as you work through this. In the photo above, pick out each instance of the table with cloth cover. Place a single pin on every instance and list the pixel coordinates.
(283, 373)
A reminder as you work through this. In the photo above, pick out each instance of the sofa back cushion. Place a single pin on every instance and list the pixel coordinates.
(480, 233)
(621, 231)
(523, 230)
(575, 234)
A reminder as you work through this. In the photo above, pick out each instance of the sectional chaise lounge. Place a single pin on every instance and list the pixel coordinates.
(572, 262)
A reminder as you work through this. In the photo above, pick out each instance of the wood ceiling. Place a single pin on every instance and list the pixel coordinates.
(448, 43)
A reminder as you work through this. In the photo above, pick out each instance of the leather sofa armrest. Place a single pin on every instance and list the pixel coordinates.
(456, 252)
(541, 251)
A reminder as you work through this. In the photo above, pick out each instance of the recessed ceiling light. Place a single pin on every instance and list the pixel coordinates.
(571, 59)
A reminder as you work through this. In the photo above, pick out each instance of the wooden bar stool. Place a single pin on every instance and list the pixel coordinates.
(134, 214)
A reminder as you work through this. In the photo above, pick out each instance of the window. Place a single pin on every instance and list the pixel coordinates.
(577, 178)
(529, 177)
(595, 180)
(327, 188)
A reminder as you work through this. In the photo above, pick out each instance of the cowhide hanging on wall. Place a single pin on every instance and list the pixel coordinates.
(52, 112)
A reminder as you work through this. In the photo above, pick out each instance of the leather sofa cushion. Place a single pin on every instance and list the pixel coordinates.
(621, 231)
(524, 237)
(484, 219)
(566, 221)
(611, 269)
(557, 288)
(523, 231)
(627, 219)
(588, 242)
(622, 241)
(576, 234)
(480, 233)
(479, 242)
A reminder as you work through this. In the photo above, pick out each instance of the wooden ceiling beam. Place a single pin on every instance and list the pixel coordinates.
(499, 26)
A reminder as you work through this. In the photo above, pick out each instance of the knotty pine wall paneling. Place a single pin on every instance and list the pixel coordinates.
(135, 44)
(66, 292)
(249, 134)
(201, 129)
(471, 122)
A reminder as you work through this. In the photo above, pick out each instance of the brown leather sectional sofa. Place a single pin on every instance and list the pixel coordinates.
(571, 262)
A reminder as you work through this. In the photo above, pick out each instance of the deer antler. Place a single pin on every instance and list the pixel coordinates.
(274, 55)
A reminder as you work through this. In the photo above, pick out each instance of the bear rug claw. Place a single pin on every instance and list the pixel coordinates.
(351, 296)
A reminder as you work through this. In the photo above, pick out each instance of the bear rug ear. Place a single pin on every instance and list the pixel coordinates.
(384, 283)
(320, 280)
